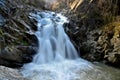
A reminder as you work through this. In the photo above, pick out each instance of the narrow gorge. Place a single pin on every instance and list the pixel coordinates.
(59, 40)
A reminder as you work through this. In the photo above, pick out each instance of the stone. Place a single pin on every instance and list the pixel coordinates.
(10, 74)
(15, 56)
(2, 21)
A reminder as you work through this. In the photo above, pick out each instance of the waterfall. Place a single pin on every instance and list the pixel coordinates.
(54, 44)
(56, 58)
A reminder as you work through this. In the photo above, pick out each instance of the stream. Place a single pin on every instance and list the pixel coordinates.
(56, 58)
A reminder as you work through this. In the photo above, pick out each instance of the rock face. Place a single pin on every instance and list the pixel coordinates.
(10, 74)
(94, 30)
(109, 42)
(102, 44)
(17, 40)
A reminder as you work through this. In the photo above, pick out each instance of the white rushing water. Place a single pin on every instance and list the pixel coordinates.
(56, 58)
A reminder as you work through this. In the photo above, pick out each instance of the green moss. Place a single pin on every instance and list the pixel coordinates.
(1, 32)
(24, 42)
(21, 41)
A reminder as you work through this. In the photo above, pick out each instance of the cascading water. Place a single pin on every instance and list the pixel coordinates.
(54, 44)
(57, 58)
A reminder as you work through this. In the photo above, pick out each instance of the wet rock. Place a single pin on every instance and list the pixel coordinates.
(10, 74)
(28, 52)
(11, 53)
(2, 21)
(15, 56)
